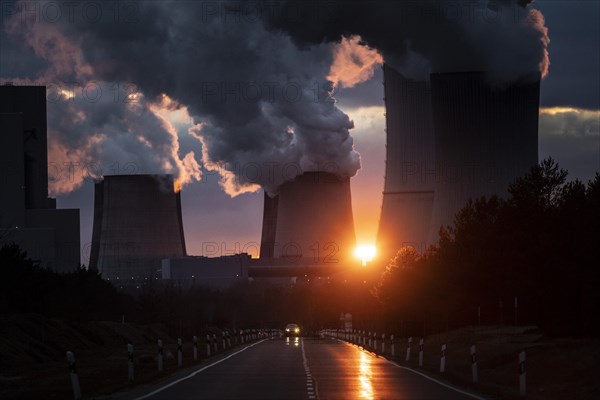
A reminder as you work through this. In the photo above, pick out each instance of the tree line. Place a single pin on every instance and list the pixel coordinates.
(530, 258)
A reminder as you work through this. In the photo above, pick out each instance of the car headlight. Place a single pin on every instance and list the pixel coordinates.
(297, 330)
(287, 329)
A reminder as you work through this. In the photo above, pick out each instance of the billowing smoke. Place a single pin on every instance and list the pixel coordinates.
(254, 80)
(505, 38)
(261, 108)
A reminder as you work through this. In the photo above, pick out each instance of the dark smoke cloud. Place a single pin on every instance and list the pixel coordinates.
(261, 105)
(502, 38)
(254, 78)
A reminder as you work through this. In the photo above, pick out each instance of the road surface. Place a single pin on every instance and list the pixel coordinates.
(293, 368)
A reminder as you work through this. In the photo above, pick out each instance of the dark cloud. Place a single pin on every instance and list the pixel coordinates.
(260, 101)
(502, 38)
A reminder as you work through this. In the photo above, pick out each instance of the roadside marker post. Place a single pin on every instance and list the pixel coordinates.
(370, 340)
(73, 375)
(393, 346)
(474, 363)
(443, 359)
(375, 342)
(179, 352)
(421, 352)
(130, 361)
(228, 339)
(383, 343)
(160, 355)
(195, 339)
(207, 345)
(408, 349)
(522, 375)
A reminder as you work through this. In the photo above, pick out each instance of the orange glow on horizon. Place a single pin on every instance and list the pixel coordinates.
(365, 253)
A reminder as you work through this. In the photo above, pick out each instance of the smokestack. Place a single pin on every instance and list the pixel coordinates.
(314, 219)
(267, 241)
(408, 188)
(137, 223)
(486, 136)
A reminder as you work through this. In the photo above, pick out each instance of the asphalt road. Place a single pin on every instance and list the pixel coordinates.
(283, 369)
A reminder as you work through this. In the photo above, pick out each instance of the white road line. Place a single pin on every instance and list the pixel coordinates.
(312, 392)
(424, 375)
(196, 372)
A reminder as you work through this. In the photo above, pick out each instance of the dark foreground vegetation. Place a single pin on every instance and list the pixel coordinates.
(540, 245)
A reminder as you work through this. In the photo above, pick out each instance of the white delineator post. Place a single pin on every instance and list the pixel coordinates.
(393, 345)
(408, 348)
(228, 339)
(214, 338)
(179, 352)
(73, 375)
(383, 343)
(522, 375)
(474, 363)
(443, 359)
(207, 345)
(375, 342)
(130, 361)
(195, 339)
(370, 340)
(421, 352)
(160, 355)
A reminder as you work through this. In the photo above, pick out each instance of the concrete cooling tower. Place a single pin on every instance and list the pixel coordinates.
(312, 217)
(409, 181)
(137, 222)
(267, 240)
(485, 137)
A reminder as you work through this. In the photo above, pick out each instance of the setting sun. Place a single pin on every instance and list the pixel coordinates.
(365, 253)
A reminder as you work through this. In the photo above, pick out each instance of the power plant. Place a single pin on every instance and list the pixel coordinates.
(409, 185)
(486, 136)
(28, 217)
(454, 138)
(310, 220)
(137, 223)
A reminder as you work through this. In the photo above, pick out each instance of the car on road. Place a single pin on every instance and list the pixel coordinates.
(292, 330)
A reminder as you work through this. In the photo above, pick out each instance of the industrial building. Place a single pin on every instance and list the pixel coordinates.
(486, 136)
(409, 184)
(309, 222)
(216, 272)
(137, 224)
(28, 217)
(454, 138)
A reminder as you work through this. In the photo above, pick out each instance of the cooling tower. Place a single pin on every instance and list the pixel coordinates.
(485, 137)
(409, 181)
(267, 241)
(137, 223)
(314, 219)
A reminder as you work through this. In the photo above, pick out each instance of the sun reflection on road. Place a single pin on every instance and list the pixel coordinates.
(366, 387)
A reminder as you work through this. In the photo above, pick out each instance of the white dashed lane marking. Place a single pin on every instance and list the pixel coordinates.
(310, 389)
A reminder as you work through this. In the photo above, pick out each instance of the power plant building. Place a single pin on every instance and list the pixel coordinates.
(28, 217)
(486, 136)
(454, 138)
(409, 182)
(309, 222)
(137, 224)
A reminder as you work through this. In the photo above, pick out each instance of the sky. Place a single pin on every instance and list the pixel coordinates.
(228, 103)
